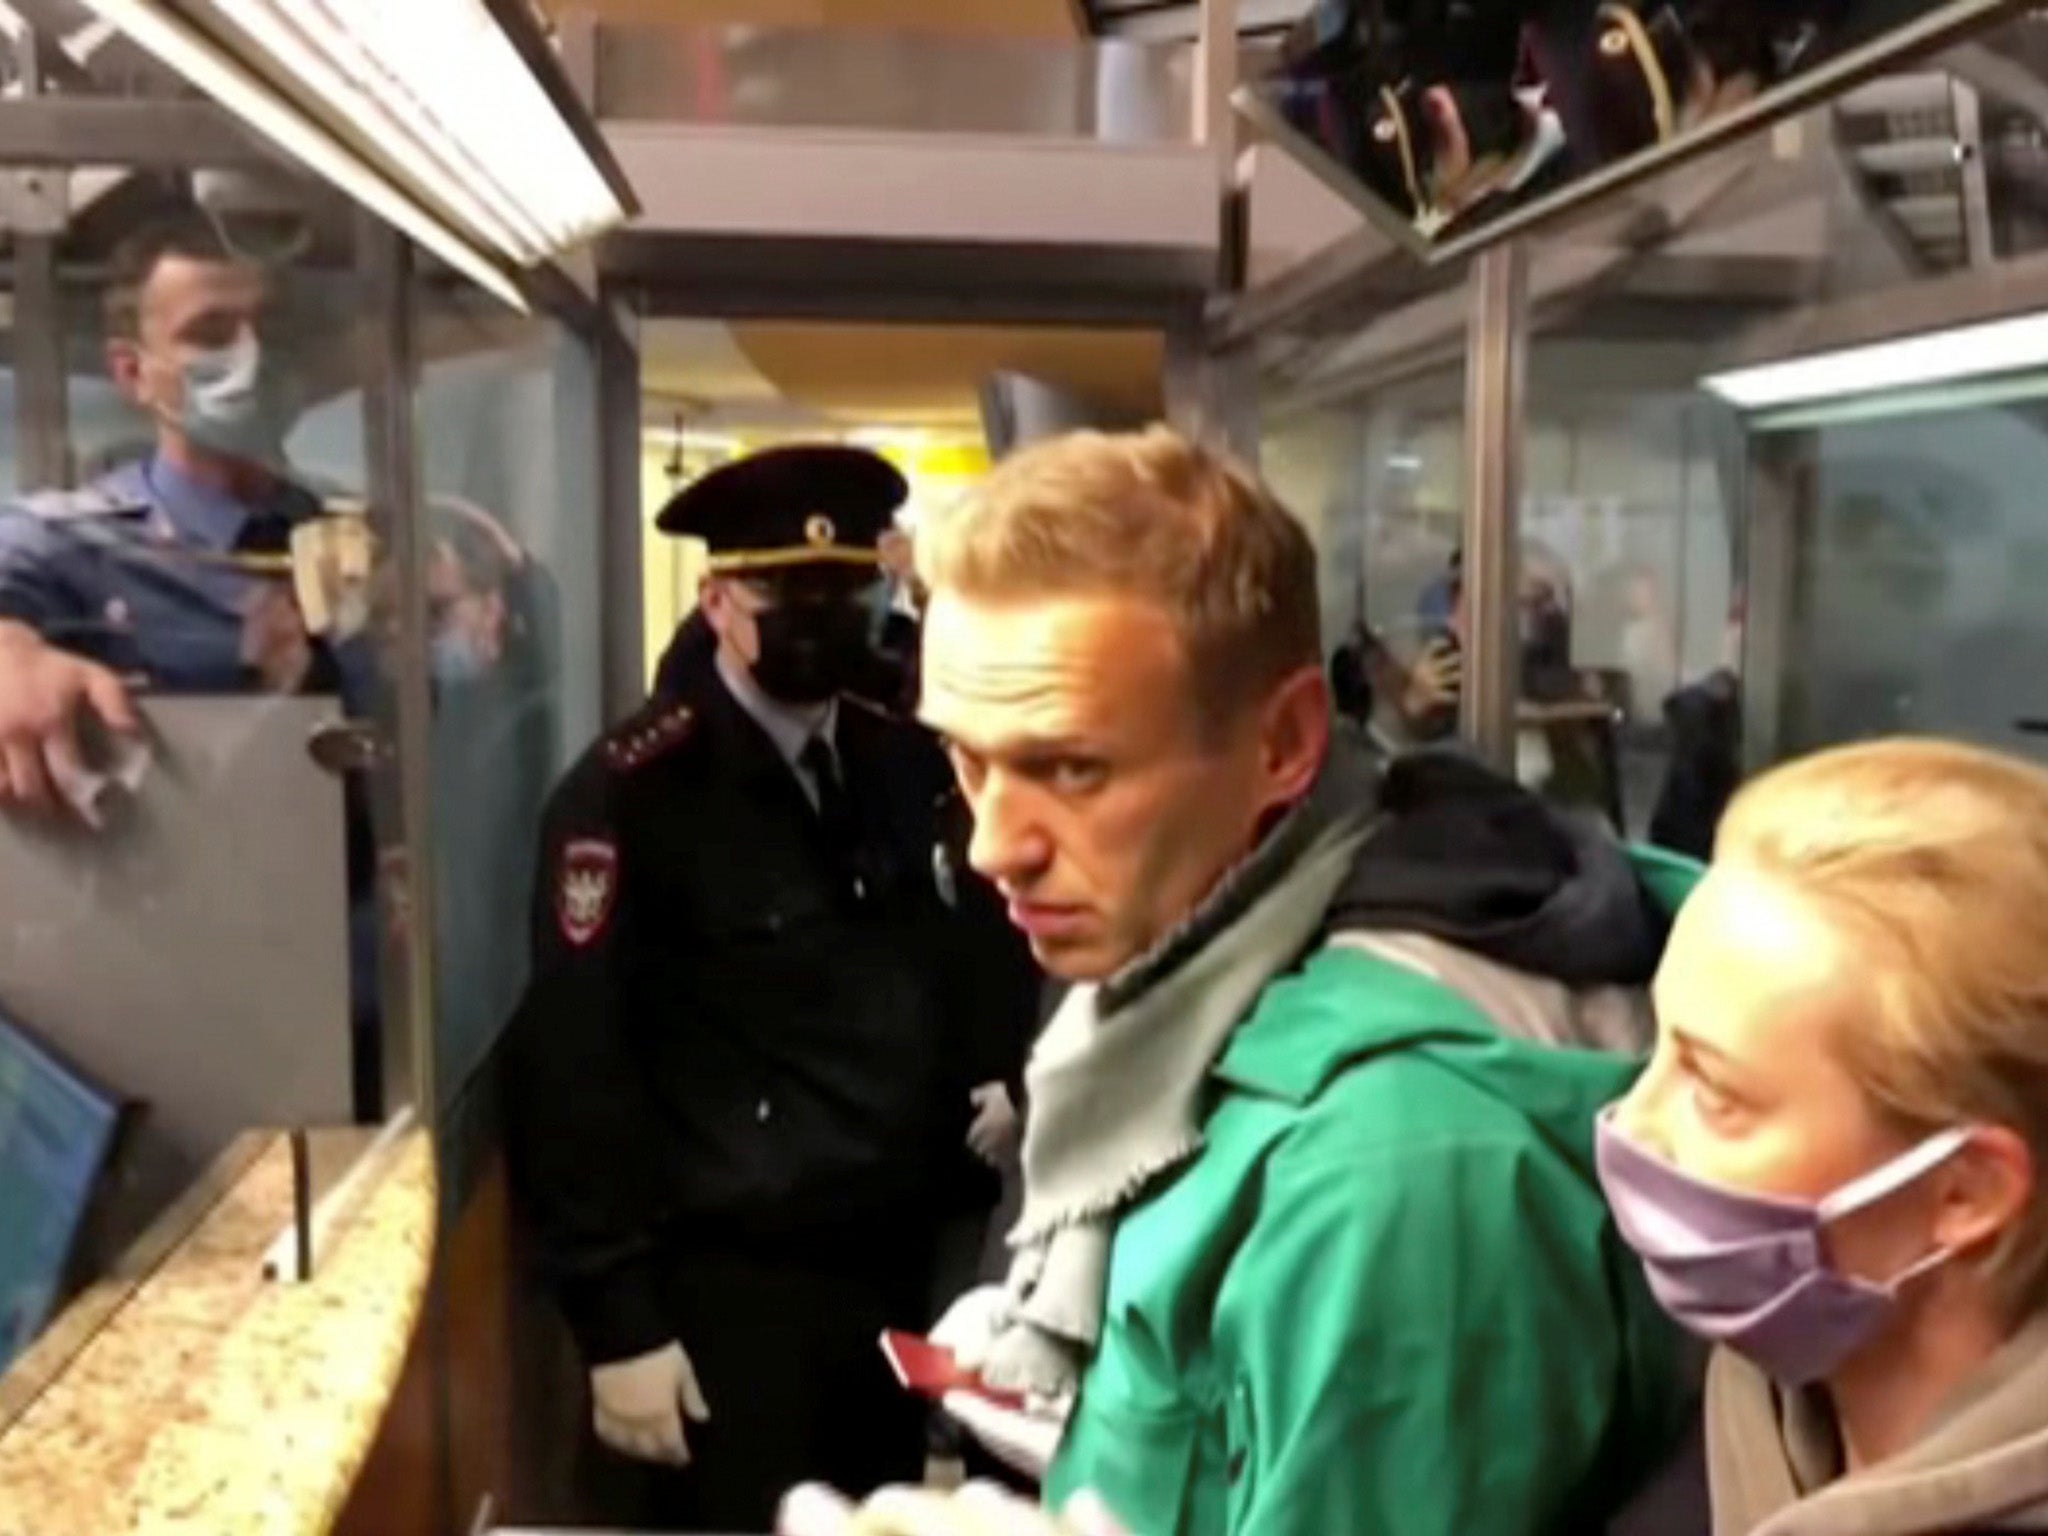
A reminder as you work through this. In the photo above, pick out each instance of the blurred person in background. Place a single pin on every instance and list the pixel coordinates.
(899, 608)
(170, 569)
(494, 675)
(1648, 643)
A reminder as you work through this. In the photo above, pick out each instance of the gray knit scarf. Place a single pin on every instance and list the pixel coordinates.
(1116, 1082)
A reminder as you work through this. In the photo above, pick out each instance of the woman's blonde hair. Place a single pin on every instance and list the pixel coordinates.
(1150, 515)
(1935, 856)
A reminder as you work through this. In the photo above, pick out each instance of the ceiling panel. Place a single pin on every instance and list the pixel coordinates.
(954, 18)
(915, 375)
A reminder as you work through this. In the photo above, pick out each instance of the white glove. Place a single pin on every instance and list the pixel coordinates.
(971, 1324)
(1023, 1439)
(639, 1405)
(997, 1127)
(979, 1509)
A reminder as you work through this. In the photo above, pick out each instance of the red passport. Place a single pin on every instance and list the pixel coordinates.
(930, 1370)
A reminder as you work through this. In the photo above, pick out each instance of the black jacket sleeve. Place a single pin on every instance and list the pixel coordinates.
(581, 1130)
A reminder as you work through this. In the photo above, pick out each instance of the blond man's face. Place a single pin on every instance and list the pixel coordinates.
(1104, 812)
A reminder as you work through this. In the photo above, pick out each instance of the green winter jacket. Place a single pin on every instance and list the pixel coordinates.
(1386, 1299)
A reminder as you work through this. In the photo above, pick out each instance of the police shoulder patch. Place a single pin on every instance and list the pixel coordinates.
(586, 888)
(652, 733)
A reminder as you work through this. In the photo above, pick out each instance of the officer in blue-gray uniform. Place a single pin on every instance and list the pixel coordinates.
(172, 573)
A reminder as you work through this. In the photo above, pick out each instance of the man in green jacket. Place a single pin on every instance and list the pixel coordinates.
(1311, 1242)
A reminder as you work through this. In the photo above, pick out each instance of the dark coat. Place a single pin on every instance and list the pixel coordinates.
(743, 1034)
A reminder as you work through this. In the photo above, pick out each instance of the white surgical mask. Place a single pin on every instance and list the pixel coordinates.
(237, 401)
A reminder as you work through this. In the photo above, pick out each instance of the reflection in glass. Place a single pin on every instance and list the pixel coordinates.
(1442, 119)
(1631, 479)
(509, 428)
(1379, 480)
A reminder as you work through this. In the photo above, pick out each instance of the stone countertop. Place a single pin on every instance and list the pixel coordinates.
(216, 1403)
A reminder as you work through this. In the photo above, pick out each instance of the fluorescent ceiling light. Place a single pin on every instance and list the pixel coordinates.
(263, 108)
(1966, 351)
(437, 92)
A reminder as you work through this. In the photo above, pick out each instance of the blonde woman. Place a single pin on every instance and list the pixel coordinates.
(1832, 1167)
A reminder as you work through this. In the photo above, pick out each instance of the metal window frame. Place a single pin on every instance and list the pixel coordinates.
(401, 787)
(1496, 370)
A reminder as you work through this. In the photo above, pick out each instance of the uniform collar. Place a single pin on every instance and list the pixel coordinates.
(787, 725)
(203, 514)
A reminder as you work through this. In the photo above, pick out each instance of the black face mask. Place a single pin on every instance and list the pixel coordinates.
(810, 652)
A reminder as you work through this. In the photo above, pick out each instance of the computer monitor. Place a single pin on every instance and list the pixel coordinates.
(58, 1132)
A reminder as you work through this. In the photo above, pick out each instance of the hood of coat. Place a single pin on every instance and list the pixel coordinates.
(1467, 856)
(1981, 1467)
(1463, 861)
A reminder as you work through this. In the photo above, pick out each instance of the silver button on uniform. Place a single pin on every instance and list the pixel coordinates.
(762, 1111)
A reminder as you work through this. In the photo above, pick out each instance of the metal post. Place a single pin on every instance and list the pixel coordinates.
(624, 679)
(1495, 365)
(36, 210)
(42, 402)
(1978, 246)
(1216, 127)
(401, 788)
(1215, 79)
(1774, 486)
(1211, 395)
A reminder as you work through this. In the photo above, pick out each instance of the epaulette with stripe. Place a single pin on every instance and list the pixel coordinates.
(652, 733)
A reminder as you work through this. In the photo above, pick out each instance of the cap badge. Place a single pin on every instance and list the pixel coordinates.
(819, 530)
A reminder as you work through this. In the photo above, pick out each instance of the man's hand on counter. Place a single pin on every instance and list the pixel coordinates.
(43, 691)
(640, 1405)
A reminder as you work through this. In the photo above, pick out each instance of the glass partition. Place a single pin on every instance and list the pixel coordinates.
(1918, 547)
(505, 412)
(198, 658)
(1378, 475)
(1631, 512)
(509, 469)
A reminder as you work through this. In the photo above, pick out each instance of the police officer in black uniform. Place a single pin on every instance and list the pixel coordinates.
(740, 1083)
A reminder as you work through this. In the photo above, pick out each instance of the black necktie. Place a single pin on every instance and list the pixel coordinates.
(265, 533)
(835, 810)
